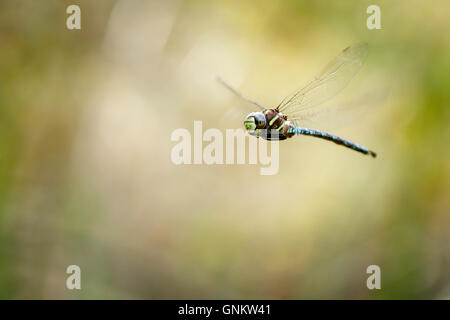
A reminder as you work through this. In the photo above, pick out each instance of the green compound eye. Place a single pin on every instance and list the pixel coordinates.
(249, 123)
(250, 126)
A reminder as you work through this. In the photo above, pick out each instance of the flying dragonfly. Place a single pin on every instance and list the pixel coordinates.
(299, 105)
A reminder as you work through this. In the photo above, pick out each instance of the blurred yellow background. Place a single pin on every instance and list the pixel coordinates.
(86, 177)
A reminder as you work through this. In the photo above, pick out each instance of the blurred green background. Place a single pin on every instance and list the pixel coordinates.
(86, 176)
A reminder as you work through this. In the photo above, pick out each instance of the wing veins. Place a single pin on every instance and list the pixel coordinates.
(345, 65)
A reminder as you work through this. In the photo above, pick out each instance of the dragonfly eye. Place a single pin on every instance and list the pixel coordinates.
(260, 120)
(249, 123)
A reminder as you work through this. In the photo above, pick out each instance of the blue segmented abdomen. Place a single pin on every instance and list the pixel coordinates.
(331, 137)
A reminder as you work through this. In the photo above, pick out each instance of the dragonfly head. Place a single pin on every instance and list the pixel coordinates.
(254, 121)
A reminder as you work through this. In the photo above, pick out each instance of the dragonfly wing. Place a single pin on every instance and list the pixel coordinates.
(340, 114)
(333, 78)
(237, 93)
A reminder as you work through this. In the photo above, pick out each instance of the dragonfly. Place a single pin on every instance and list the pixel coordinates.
(281, 123)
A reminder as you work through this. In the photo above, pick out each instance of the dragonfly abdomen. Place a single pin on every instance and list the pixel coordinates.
(334, 138)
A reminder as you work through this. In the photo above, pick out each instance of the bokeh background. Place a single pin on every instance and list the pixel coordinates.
(86, 176)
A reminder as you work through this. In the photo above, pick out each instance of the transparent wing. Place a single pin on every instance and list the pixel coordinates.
(341, 114)
(235, 92)
(236, 114)
(333, 78)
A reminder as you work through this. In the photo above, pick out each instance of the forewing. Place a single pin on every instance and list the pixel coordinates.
(333, 78)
